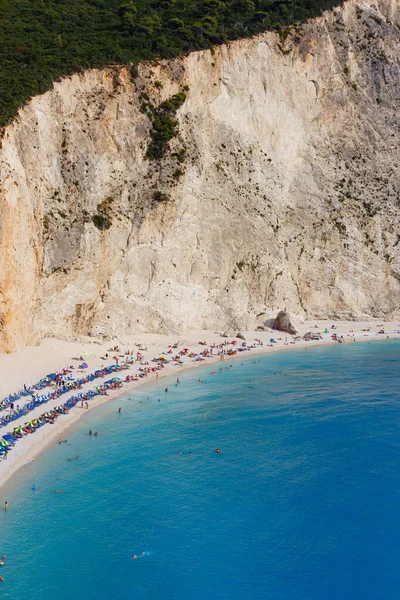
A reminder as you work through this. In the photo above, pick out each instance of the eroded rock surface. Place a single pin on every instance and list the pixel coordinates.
(281, 189)
(284, 323)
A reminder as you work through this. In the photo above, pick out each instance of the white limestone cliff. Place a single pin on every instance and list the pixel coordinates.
(288, 194)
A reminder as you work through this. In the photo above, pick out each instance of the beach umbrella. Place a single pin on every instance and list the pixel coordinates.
(271, 340)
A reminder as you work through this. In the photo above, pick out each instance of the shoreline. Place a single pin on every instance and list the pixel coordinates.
(31, 446)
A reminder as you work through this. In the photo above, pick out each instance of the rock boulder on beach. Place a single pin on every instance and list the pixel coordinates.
(284, 323)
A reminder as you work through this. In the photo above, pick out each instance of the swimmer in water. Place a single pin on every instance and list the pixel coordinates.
(135, 556)
(218, 450)
(58, 491)
(1, 578)
(34, 487)
(90, 432)
(96, 434)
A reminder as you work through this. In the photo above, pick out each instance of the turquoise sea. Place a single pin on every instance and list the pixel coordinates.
(302, 504)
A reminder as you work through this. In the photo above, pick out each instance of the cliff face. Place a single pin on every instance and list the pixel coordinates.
(281, 188)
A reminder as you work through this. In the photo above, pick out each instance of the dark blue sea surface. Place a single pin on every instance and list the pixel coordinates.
(302, 504)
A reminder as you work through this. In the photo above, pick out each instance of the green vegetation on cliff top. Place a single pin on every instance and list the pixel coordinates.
(42, 40)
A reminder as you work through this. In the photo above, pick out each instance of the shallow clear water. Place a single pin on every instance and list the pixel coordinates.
(303, 503)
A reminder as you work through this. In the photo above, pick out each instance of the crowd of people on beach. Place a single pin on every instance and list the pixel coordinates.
(9, 439)
(59, 387)
(64, 382)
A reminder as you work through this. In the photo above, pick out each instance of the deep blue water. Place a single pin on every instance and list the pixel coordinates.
(303, 503)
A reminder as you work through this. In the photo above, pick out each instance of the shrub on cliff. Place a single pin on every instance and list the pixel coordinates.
(42, 40)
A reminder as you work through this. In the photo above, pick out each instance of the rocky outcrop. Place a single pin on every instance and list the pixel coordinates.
(281, 187)
(283, 322)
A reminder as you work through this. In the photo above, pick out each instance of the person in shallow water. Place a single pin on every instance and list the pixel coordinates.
(5, 505)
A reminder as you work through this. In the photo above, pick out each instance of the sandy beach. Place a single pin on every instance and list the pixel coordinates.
(31, 364)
